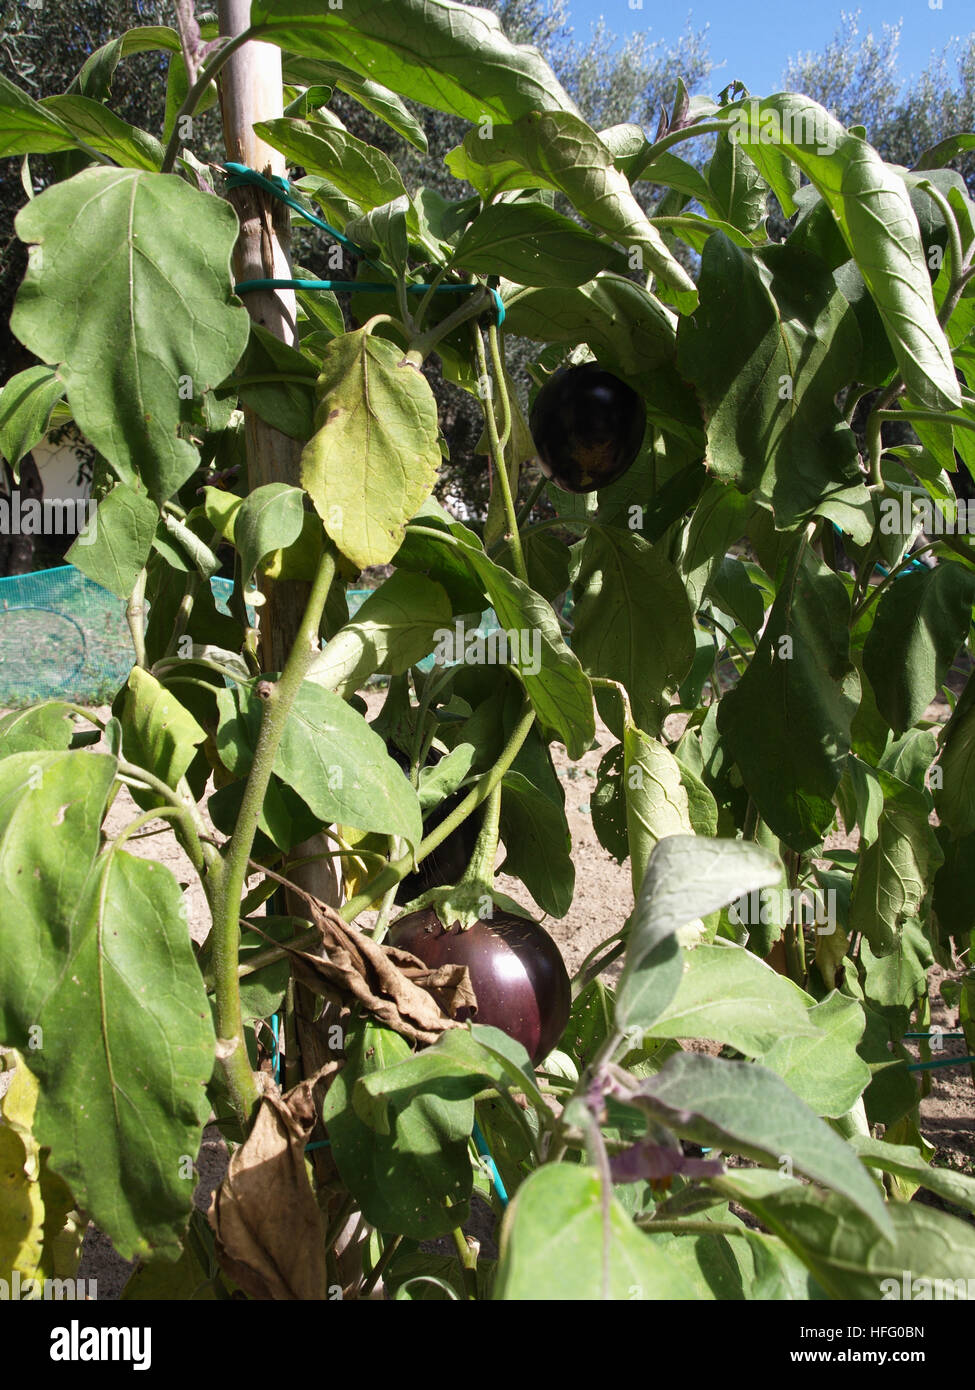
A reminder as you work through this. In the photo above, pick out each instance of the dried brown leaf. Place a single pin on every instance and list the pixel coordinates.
(270, 1237)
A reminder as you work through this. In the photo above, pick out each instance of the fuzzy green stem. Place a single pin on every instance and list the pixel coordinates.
(279, 698)
(135, 617)
(195, 95)
(497, 448)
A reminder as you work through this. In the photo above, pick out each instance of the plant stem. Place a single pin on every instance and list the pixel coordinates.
(379, 1268)
(702, 1228)
(496, 446)
(530, 501)
(195, 95)
(190, 828)
(279, 697)
(424, 344)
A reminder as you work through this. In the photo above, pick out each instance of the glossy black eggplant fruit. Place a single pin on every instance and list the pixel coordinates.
(446, 864)
(588, 427)
(517, 972)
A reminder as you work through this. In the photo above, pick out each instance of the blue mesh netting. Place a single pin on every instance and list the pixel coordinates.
(64, 637)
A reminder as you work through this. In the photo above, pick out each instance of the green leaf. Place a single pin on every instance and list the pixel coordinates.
(551, 674)
(738, 191)
(394, 629)
(873, 212)
(287, 404)
(632, 620)
(742, 1107)
(537, 842)
(686, 879)
(559, 150)
(531, 245)
(46, 727)
(955, 799)
(561, 1240)
(730, 996)
(361, 172)
(372, 95)
(51, 806)
(656, 798)
(158, 733)
(847, 1256)
(375, 455)
(770, 346)
(906, 1162)
(116, 543)
(145, 332)
(825, 1072)
(799, 690)
(128, 1051)
(270, 518)
(26, 403)
(898, 852)
(452, 57)
(920, 623)
(461, 1063)
(415, 1179)
(329, 755)
(100, 128)
(26, 127)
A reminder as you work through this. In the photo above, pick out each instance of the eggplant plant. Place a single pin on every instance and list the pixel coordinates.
(762, 692)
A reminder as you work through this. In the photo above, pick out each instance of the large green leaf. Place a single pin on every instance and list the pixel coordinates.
(395, 628)
(552, 675)
(956, 797)
(146, 328)
(93, 124)
(158, 733)
(358, 170)
(770, 346)
(372, 95)
(559, 150)
(656, 798)
(463, 1062)
(741, 1107)
(117, 542)
(48, 726)
(826, 1072)
(906, 1162)
(799, 691)
(687, 878)
(376, 454)
(452, 57)
(632, 620)
(269, 518)
(531, 244)
(848, 1257)
(898, 853)
(415, 1180)
(873, 212)
(561, 1239)
(51, 807)
(26, 402)
(729, 995)
(537, 841)
(329, 755)
(26, 127)
(128, 1051)
(920, 623)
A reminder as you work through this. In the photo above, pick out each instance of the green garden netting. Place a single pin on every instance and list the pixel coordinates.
(64, 637)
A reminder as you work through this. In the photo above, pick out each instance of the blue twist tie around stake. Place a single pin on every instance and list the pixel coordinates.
(481, 1144)
(276, 1053)
(278, 187)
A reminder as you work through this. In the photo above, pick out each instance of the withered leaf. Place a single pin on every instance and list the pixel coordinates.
(270, 1236)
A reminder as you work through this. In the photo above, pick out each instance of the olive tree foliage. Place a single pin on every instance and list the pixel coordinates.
(856, 78)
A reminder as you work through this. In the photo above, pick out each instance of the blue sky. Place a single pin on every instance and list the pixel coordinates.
(755, 38)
